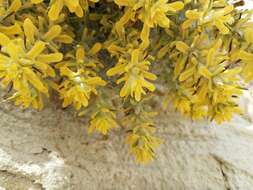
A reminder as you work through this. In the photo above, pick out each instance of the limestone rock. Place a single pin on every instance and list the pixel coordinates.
(51, 150)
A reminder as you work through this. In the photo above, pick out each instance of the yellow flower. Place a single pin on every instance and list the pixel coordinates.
(37, 1)
(25, 70)
(14, 29)
(198, 112)
(248, 34)
(245, 25)
(5, 10)
(219, 18)
(57, 6)
(156, 14)
(182, 47)
(53, 36)
(77, 88)
(142, 143)
(151, 13)
(224, 112)
(223, 17)
(134, 74)
(183, 105)
(247, 59)
(74, 6)
(224, 93)
(206, 82)
(80, 80)
(128, 3)
(102, 121)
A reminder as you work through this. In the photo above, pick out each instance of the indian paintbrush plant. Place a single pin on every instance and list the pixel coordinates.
(107, 58)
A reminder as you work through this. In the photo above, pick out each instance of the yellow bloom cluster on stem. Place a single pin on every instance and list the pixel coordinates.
(142, 143)
(79, 81)
(117, 62)
(135, 74)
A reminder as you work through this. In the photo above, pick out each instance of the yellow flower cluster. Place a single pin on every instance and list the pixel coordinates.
(135, 72)
(79, 81)
(26, 62)
(207, 85)
(142, 143)
(111, 59)
(102, 121)
(74, 6)
(152, 13)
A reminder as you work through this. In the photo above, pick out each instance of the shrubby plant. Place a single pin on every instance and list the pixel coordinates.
(112, 59)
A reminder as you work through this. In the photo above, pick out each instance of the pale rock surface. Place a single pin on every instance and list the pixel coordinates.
(248, 4)
(51, 150)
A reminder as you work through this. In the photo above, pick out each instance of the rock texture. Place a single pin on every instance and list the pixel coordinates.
(51, 150)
